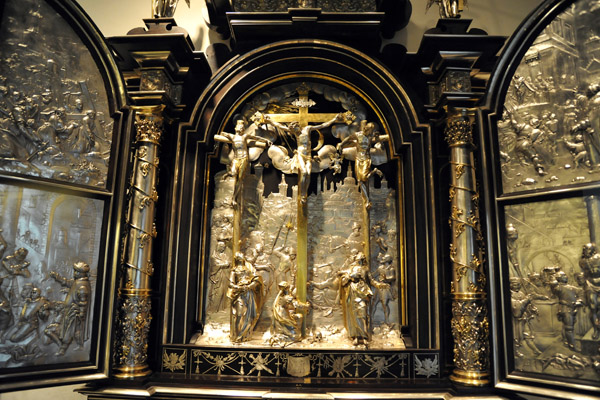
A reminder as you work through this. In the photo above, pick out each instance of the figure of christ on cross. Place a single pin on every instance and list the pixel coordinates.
(302, 160)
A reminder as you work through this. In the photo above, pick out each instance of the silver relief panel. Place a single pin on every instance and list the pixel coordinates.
(549, 130)
(49, 246)
(54, 116)
(335, 231)
(553, 284)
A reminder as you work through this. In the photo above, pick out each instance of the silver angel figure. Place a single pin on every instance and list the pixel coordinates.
(448, 8)
(246, 295)
(165, 8)
(365, 143)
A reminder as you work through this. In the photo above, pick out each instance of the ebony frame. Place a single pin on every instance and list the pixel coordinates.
(113, 197)
(290, 61)
(505, 377)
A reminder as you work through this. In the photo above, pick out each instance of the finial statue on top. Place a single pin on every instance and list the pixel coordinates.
(165, 8)
(448, 8)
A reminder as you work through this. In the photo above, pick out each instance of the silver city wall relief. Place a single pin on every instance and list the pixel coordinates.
(54, 117)
(303, 232)
(49, 246)
(548, 132)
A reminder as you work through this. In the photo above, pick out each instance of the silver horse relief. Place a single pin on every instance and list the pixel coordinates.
(257, 294)
(548, 132)
(54, 117)
(49, 246)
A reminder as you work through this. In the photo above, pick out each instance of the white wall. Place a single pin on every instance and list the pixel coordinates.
(117, 17)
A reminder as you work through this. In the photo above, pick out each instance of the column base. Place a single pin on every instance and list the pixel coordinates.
(470, 378)
(128, 372)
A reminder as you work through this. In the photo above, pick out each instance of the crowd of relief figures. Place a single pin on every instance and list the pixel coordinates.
(54, 118)
(312, 263)
(549, 129)
(48, 243)
(555, 287)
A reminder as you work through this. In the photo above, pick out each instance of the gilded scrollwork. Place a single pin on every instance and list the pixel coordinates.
(136, 267)
(324, 5)
(459, 131)
(470, 328)
(469, 321)
(133, 319)
(298, 364)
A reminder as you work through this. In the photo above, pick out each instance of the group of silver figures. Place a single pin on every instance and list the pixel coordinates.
(575, 306)
(257, 281)
(28, 319)
(548, 137)
(548, 133)
(54, 124)
(54, 121)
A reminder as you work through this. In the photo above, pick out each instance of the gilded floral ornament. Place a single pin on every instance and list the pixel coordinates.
(173, 361)
(134, 320)
(148, 130)
(470, 329)
(459, 130)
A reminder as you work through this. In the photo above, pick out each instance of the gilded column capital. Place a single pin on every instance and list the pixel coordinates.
(149, 123)
(459, 130)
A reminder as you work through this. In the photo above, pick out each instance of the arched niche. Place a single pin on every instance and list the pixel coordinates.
(338, 79)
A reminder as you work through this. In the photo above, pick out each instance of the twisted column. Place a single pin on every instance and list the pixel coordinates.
(134, 301)
(470, 327)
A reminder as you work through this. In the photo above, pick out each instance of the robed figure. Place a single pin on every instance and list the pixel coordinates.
(246, 295)
(355, 298)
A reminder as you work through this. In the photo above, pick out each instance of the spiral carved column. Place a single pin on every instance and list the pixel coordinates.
(470, 326)
(134, 302)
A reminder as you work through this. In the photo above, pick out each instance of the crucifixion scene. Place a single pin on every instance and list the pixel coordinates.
(304, 236)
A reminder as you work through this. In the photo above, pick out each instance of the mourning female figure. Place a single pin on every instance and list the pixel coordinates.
(246, 295)
(288, 316)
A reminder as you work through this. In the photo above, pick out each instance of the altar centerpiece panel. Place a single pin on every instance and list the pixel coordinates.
(303, 226)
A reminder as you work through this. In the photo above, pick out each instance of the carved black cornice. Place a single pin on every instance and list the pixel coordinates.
(263, 21)
(156, 61)
(457, 63)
